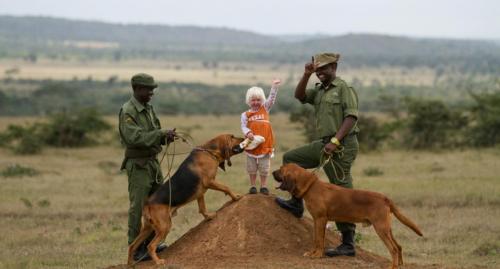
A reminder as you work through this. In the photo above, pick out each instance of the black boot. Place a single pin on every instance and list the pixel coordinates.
(344, 249)
(141, 254)
(294, 205)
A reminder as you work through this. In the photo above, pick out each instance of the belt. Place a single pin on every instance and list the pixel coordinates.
(140, 153)
(326, 139)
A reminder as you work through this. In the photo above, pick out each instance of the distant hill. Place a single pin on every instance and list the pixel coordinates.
(55, 37)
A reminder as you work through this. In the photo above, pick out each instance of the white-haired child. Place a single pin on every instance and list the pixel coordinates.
(256, 126)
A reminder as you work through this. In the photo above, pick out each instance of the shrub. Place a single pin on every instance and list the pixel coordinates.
(74, 129)
(17, 170)
(373, 172)
(431, 124)
(372, 134)
(485, 116)
(305, 116)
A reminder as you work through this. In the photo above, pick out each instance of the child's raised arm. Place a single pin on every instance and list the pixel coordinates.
(272, 95)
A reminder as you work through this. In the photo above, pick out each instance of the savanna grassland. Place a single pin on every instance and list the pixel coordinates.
(73, 213)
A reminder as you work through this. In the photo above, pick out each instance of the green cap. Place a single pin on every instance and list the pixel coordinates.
(143, 79)
(323, 59)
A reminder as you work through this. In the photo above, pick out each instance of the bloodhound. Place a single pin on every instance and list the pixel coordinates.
(330, 202)
(193, 178)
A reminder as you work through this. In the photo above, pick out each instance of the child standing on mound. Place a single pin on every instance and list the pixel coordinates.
(256, 127)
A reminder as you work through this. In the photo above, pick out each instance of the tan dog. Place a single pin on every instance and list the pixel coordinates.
(192, 179)
(330, 202)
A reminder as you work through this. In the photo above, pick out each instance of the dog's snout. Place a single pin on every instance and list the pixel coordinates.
(276, 175)
(237, 149)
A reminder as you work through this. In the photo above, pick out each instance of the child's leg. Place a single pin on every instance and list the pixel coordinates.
(264, 165)
(253, 179)
(252, 173)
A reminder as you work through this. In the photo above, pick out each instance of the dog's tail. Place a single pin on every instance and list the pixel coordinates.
(403, 219)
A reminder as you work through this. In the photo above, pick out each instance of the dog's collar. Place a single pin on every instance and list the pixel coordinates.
(215, 155)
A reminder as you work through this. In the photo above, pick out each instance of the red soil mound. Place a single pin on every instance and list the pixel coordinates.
(255, 233)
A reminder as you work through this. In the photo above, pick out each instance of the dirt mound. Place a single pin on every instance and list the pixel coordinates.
(255, 233)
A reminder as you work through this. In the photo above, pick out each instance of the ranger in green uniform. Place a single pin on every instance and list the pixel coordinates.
(336, 112)
(141, 134)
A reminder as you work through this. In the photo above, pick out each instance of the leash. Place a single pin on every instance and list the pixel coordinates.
(326, 158)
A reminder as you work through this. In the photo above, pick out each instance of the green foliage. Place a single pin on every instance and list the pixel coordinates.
(17, 170)
(23, 139)
(487, 249)
(372, 134)
(373, 171)
(43, 203)
(74, 129)
(486, 117)
(26, 202)
(64, 129)
(431, 124)
(305, 116)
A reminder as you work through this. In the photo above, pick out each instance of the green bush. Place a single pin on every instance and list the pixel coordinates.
(485, 114)
(305, 116)
(372, 134)
(431, 124)
(65, 129)
(17, 170)
(373, 172)
(74, 129)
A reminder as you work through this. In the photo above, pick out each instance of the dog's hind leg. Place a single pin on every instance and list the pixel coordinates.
(383, 229)
(146, 230)
(161, 222)
(400, 249)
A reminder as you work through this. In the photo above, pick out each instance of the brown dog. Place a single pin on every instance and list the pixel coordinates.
(192, 179)
(330, 202)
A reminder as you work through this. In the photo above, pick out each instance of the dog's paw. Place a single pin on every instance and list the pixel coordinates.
(313, 254)
(210, 216)
(237, 197)
(160, 262)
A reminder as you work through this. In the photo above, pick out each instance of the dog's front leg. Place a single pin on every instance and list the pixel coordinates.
(214, 185)
(203, 210)
(318, 238)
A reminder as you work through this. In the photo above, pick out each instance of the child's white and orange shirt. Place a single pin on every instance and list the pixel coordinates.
(258, 123)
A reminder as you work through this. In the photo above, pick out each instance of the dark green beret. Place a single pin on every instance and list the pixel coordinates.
(143, 79)
(323, 59)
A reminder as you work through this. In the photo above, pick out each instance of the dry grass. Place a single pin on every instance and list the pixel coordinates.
(225, 73)
(78, 217)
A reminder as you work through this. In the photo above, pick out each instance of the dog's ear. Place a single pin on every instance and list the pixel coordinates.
(222, 166)
(288, 184)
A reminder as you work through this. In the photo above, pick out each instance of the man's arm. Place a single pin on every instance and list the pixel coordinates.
(300, 90)
(347, 124)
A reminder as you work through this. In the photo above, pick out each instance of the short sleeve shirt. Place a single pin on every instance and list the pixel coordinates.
(332, 104)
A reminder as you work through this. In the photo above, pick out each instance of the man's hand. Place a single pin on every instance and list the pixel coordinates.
(170, 135)
(276, 83)
(330, 148)
(250, 135)
(310, 67)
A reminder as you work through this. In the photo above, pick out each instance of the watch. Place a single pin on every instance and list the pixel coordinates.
(335, 141)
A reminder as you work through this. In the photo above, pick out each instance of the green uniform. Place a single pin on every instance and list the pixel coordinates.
(141, 133)
(332, 104)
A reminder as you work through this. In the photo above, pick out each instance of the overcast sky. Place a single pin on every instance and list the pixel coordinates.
(479, 19)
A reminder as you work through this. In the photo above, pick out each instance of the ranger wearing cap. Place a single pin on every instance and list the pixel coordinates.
(336, 113)
(142, 136)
